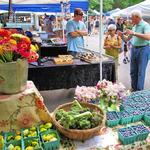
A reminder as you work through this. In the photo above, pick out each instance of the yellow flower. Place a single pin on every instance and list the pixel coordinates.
(13, 42)
(34, 47)
(1, 49)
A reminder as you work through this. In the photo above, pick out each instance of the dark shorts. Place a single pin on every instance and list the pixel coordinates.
(125, 47)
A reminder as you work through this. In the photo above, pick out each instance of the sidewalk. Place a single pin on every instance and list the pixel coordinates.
(92, 42)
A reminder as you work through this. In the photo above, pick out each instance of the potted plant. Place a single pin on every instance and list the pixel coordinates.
(16, 51)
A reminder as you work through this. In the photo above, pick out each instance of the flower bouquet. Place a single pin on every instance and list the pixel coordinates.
(15, 46)
(107, 94)
(15, 50)
(86, 94)
(110, 94)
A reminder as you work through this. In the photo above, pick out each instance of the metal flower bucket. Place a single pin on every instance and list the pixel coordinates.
(13, 76)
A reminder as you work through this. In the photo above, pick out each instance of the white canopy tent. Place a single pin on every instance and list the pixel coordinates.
(144, 7)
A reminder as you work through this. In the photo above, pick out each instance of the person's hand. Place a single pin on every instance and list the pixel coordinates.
(119, 33)
(108, 47)
(129, 32)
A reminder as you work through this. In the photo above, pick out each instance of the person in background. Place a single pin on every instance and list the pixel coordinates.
(1, 25)
(96, 25)
(121, 27)
(112, 45)
(45, 23)
(75, 30)
(140, 51)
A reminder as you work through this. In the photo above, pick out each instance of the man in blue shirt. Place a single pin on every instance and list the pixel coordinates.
(75, 30)
(140, 51)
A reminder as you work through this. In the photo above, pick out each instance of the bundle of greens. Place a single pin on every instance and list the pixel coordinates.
(78, 117)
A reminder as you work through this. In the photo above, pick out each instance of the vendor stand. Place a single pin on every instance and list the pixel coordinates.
(53, 50)
(51, 76)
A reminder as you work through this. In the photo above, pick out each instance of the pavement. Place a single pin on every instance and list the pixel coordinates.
(53, 98)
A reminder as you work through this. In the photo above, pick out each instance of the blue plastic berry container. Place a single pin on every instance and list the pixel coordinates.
(112, 119)
(142, 132)
(125, 117)
(146, 118)
(137, 115)
(127, 135)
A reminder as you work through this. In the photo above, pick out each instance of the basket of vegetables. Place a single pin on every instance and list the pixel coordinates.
(78, 121)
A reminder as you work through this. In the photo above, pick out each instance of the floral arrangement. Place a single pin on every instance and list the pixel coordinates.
(86, 94)
(109, 94)
(14, 46)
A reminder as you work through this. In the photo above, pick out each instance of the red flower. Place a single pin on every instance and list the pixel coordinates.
(33, 56)
(23, 49)
(39, 103)
(5, 33)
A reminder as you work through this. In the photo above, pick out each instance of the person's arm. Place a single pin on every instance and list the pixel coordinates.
(82, 32)
(145, 36)
(106, 46)
(123, 36)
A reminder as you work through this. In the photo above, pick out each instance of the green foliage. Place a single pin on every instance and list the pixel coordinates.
(78, 117)
(112, 4)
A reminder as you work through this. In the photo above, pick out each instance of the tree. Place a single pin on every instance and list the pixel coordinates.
(112, 4)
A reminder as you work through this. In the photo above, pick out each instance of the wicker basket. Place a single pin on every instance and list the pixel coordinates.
(78, 134)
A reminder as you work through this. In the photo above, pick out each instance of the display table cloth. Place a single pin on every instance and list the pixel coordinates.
(51, 76)
(22, 110)
(106, 139)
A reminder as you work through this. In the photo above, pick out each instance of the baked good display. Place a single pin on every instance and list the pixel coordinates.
(89, 57)
(63, 60)
(65, 56)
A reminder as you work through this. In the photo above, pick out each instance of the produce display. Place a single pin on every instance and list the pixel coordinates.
(133, 108)
(50, 140)
(45, 127)
(31, 132)
(89, 57)
(1, 141)
(32, 144)
(11, 136)
(15, 145)
(147, 118)
(112, 119)
(33, 138)
(78, 117)
(134, 133)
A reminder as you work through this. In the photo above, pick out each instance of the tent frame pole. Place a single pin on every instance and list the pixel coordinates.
(100, 38)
